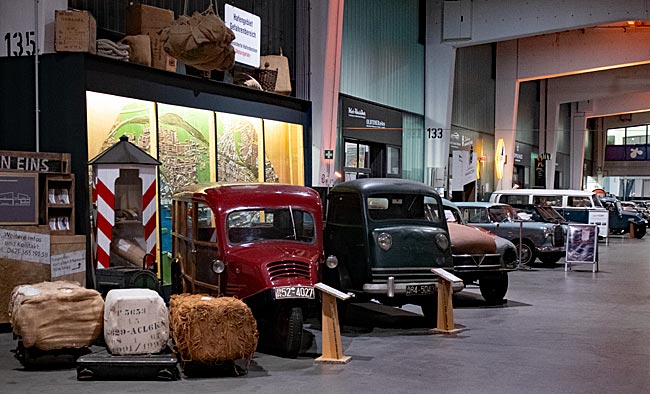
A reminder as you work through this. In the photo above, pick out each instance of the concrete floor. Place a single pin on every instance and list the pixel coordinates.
(574, 332)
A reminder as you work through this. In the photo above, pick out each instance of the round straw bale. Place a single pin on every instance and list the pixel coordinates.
(212, 329)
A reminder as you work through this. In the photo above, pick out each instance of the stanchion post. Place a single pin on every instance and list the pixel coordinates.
(445, 323)
(332, 348)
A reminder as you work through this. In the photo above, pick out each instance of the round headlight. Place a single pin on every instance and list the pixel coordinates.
(218, 266)
(442, 241)
(385, 241)
(331, 261)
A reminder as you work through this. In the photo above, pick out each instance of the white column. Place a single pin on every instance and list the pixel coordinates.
(578, 135)
(439, 66)
(552, 128)
(505, 106)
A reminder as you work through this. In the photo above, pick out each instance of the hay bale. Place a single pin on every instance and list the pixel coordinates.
(56, 315)
(212, 329)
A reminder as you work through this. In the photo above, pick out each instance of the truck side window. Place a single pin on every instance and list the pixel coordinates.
(345, 209)
(205, 223)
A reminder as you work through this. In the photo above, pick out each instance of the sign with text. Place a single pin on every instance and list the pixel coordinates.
(540, 173)
(247, 28)
(25, 246)
(43, 162)
(370, 122)
(600, 219)
(68, 263)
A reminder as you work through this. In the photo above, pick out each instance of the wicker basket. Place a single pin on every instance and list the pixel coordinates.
(266, 77)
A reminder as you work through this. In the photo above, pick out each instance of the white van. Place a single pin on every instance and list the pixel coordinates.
(574, 205)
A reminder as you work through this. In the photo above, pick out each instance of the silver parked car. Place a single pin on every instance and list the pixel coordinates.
(545, 241)
(480, 257)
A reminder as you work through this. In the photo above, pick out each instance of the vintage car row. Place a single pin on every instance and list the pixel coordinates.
(575, 206)
(267, 245)
(545, 241)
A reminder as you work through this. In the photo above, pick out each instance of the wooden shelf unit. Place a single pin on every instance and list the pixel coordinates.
(59, 204)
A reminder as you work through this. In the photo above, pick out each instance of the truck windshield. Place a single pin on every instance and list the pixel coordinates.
(404, 207)
(254, 225)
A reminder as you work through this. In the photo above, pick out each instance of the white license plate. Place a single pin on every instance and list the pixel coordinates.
(294, 292)
(414, 290)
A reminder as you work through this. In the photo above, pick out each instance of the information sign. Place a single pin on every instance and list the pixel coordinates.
(247, 28)
(600, 219)
(582, 245)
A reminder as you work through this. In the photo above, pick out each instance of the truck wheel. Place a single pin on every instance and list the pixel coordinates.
(639, 231)
(528, 254)
(430, 311)
(288, 330)
(494, 287)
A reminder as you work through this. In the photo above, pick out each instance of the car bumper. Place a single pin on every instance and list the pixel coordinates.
(399, 289)
(551, 249)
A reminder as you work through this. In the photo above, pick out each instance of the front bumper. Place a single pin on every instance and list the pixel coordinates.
(399, 289)
(551, 249)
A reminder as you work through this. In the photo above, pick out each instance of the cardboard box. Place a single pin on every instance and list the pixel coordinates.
(68, 258)
(75, 31)
(145, 19)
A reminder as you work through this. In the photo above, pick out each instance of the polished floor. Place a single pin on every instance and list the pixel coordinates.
(559, 332)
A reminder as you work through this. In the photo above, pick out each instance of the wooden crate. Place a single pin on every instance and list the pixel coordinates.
(18, 272)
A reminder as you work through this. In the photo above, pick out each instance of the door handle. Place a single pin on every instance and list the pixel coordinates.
(193, 250)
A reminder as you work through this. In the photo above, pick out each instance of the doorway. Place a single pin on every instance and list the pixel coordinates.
(364, 159)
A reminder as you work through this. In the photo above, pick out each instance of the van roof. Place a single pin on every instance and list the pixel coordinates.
(545, 192)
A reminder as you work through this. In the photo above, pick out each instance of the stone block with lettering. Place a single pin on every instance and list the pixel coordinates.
(136, 321)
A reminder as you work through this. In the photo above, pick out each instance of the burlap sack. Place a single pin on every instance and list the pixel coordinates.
(470, 240)
(56, 315)
(212, 329)
(201, 41)
(139, 49)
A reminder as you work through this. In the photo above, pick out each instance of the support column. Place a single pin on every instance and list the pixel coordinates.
(440, 60)
(326, 67)
(577, 157)
(552, 128)
(505, 110)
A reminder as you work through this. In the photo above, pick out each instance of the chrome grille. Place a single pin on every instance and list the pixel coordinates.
(405, 275)
(289, 269)
(486, 261)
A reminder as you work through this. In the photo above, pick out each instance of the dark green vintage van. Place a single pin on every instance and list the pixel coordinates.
(382, 241)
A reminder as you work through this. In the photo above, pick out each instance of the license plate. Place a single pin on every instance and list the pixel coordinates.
(414, 290)
(294, 292)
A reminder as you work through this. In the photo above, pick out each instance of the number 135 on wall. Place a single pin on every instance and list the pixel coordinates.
(434, 132)
(19, 43)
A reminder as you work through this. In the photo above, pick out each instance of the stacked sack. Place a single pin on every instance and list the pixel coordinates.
(210, 330)
(202, 41)
(108, 48)
(56, 315)
(136, 321)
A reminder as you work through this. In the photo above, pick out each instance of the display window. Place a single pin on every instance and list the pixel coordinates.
(196, 146)
(280, 138)
(110, 117)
